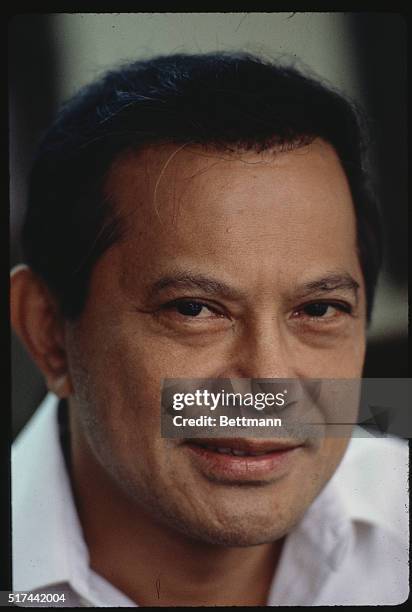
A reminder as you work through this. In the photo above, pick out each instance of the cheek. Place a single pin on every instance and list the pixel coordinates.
(114, 384)
(299, 490)
(328, 453)
(319, 356)
(117, 401)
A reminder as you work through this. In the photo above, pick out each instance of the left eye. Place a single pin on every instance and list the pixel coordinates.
(322, 310)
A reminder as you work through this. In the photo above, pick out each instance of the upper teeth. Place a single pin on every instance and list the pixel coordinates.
(235, 451)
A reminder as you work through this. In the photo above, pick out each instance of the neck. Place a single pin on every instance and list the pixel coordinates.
(153, 564)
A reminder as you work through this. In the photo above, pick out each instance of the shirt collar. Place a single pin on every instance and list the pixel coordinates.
(320, 543)
(379, 467)
(49, 534)
(315, 548)
(48, 543)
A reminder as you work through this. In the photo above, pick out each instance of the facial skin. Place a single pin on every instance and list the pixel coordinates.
(267, 226)
(264, 228)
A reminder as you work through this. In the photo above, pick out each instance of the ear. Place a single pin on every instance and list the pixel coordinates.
(37, 321)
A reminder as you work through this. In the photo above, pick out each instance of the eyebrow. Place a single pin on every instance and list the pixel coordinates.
(187, 280)
(330, 282)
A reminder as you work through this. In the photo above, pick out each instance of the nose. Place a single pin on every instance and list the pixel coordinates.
(261, 351)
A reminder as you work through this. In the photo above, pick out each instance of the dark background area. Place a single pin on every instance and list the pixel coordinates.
(381, 46)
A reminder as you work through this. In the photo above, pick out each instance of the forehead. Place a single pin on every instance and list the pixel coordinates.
(222, 209)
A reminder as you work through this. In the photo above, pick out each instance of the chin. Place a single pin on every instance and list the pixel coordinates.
(236, 537)
(234, 531)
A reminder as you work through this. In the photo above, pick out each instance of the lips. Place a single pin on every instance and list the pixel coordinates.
(241, 459)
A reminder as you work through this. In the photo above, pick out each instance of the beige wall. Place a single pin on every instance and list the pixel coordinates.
(91, 43)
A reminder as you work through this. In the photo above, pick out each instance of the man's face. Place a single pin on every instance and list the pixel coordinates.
(218, 276)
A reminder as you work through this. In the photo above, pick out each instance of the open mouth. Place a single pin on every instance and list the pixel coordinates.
(242, 447)
(241, 459)
(233, 451)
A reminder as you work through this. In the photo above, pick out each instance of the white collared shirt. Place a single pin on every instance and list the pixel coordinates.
(351, 547)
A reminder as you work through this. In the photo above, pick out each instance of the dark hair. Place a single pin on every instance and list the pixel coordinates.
(217, 99)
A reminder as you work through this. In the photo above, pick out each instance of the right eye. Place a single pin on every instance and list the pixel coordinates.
(192, 309)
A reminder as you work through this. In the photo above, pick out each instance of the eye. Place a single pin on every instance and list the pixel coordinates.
(323, 310)
(192, 308)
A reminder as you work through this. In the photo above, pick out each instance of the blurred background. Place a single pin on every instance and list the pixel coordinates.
(363, 54)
